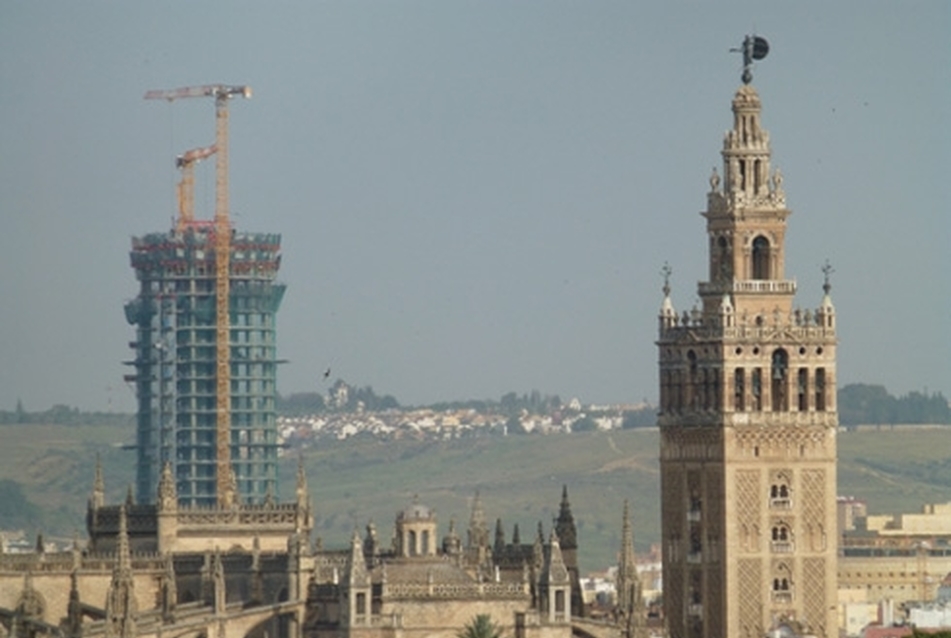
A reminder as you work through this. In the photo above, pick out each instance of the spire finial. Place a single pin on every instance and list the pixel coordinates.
(666, 272)
(753, 48)
(827, 270)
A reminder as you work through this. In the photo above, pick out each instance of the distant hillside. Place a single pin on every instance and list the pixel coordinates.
(519, 477)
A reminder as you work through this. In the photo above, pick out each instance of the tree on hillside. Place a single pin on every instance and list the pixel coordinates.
(16, 510)
(480, 627)
(861, 403)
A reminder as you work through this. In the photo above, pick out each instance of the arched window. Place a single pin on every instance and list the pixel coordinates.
(761, 258)
(757, 388)
(780, 381)
(739, 390)
(780, 533)
(820, 389)
(780, 584)
(692, 398)
(801, 389)
(779, 492)
(724, 263)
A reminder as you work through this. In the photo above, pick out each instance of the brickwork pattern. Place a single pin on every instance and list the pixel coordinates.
(813, 507)
(814, 594)
(749, 573)
(748, 500)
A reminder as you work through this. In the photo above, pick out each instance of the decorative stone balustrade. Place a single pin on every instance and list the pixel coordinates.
(748, 286)
(455, 590)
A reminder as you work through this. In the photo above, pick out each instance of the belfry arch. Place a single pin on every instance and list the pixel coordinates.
(760, 258)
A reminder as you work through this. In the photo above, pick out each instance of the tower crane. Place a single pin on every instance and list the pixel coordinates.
(186, 188)
(222, 246)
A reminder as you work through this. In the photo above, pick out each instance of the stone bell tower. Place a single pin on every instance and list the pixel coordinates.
(748, 420)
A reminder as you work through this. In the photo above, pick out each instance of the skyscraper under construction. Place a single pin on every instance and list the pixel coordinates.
(205, 346)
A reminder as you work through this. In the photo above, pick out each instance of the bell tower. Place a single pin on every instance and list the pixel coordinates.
(747, 419)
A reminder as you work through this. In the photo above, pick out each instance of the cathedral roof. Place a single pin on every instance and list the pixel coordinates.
(421, 571)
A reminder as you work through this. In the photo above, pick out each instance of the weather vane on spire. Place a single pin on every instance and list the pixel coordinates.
(666, 272)
(754, 48)
(827, 270)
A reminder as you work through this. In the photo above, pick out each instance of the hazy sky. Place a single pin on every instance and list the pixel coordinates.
(475, 197)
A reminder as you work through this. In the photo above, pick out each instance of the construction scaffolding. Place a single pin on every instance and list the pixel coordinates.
(205, 349)
(176, 362)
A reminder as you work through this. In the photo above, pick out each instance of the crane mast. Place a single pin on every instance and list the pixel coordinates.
(222, 249)
(186, 188)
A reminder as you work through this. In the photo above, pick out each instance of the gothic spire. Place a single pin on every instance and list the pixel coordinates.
(356, 567)
(565, 524)
(499, 546)
(123, 566)
(628, 584)
(74, 611)
(167, 496)
(98, 486)
(478, 531)
(121, 605)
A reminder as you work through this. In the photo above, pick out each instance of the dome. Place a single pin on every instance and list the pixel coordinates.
(415, 512)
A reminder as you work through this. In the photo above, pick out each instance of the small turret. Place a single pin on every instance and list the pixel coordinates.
(167, 497)
(357, 587)
(98, 498)
(825, 313)
(168, 592)
(371, 545)
(229, 495)
(218, 581)
(451, 543)
(727, 316)
(356, 565)
(555, 583)
(478, 531)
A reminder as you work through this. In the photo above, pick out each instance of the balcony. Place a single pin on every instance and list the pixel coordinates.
(695, 558)
(782, 597)
(695, 609)
(693, 516)
(782, 547)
